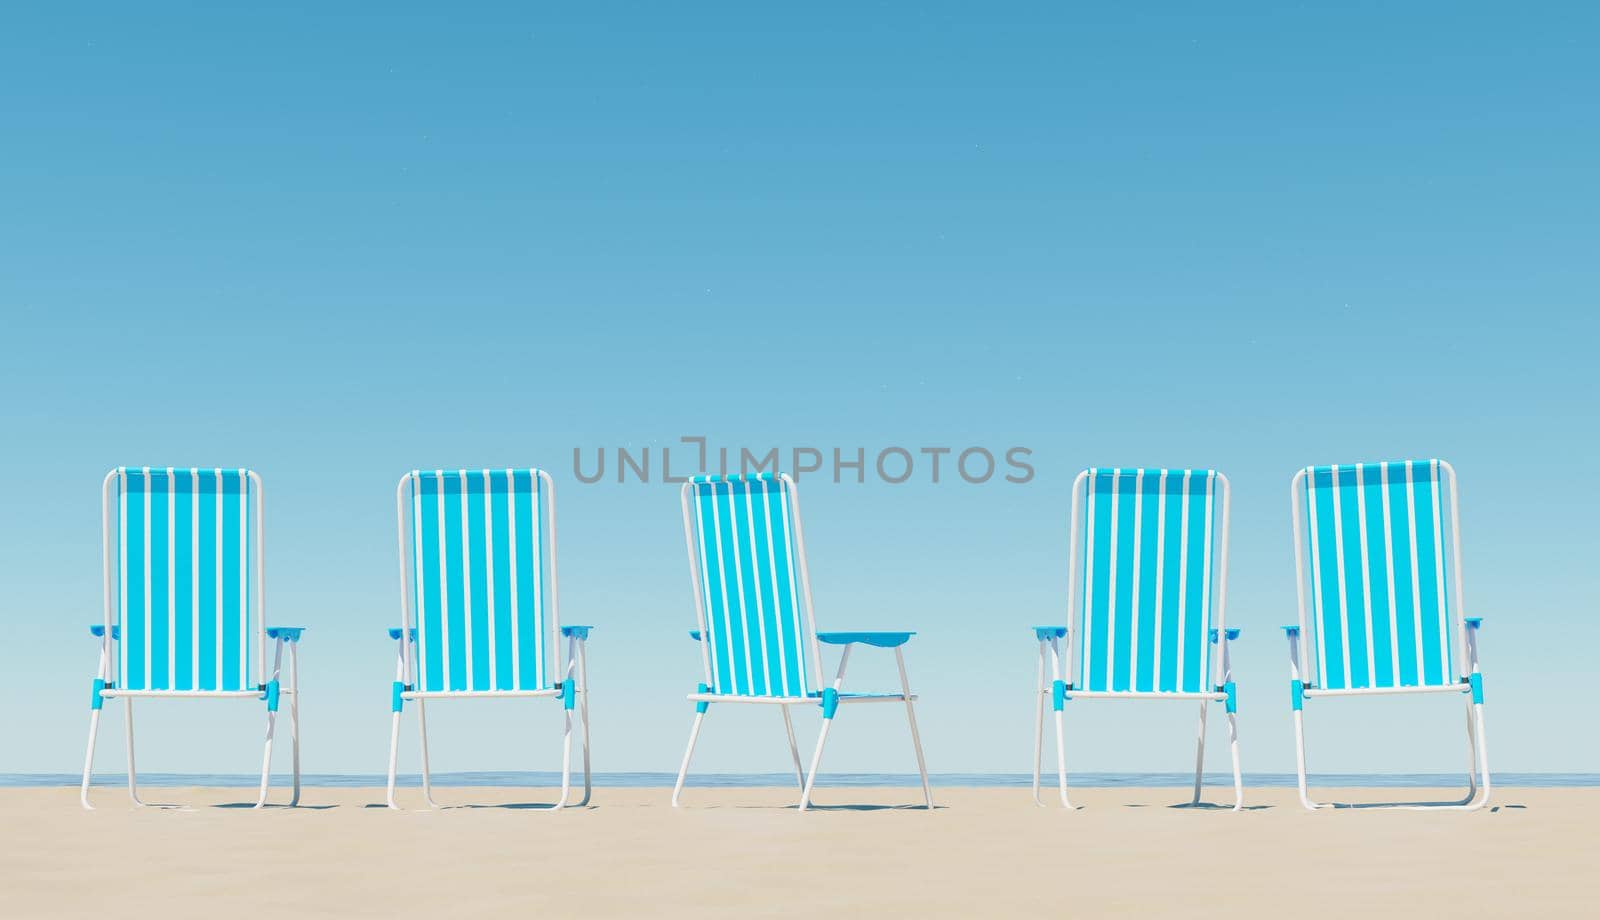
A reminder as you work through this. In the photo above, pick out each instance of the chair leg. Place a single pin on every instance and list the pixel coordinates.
(427, 773)
(1233, 747)
(916, 737)
(1472, 756)
(294, 718)
(794, 749)
(683, 771)
(1300, 761)
(133, 773)
(816, 760)
(1061, 759)
(583, 718)
(266, 760)
(566, 759)
(88, 759)
(1483, 756)
(1200, 751)
(1038, 729)
(394, 758)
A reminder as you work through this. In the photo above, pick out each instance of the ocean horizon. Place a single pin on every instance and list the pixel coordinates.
(748, 780)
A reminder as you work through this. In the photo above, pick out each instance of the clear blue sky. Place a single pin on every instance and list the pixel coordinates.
(334, 246)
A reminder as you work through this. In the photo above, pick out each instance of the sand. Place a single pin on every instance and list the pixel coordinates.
(747, 852)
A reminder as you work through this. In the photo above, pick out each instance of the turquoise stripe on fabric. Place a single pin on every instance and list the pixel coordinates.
(1196, 615)
(1120, 641)
(477, 579)
(430, 599)
(207, 567)
(1405, 591)
(183, 563)
(1100, 587)
(1349, 558)
(160, 559)
(500, 562)
(1325, 547)
(135, 633)
(454, 584)
(1166, 604)
(1376, 575)
(1149, 510)
(531, 637)
(233, 676)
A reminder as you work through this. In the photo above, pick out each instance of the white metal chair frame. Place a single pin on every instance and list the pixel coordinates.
(575, 673)
(1303, 677)
(107, 675)
(1062, 669)
(830, 699)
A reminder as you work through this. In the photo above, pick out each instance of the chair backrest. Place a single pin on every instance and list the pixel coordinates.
(752, 593)
(1153, 546)
(1371, 546)
(183, 578)
(478, 579)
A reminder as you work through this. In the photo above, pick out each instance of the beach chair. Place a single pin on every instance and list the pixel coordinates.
(185, 603)
(1146, 617)
(1375, 551)
(758, 637)
(479, 605)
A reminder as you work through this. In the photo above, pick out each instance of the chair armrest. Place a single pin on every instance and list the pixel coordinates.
(1292, 630)
(394, 633)
(694, 634)
(98, 630)
(1473, 622)
(286, 633)
(877, 639)
(1233, 633)
(1046, 633)
(575, 632)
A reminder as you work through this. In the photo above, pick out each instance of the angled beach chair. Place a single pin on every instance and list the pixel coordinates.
(1146, 617)
(758, 637)
(479, 605)
(1379, 558)
(185, 603)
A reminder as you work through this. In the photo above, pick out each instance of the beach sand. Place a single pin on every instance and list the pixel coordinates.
(746, 852)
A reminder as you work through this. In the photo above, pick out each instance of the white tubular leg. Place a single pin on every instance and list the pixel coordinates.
(816, 759)
(1200, 750)
(1483, 756)
(583, 715)
(94, 730)
(1038, 727)
(394, 758)
(1061, 742)
(1300, 761)
(1472, 755)
(133, 773)
(427, 774)
(566, 734)
(794, 749)
(694, 734)
(294, 717)
(272, 721)
(911, 717)
(1233, 747)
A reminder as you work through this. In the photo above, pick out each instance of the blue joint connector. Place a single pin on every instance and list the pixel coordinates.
(270, 694)
(1476, 682)
(1232, 702)
(830, 702)
(702, 705)
(1058, 695)
(97, 701)
(1297, 695)
(396, 701)
(569, 694)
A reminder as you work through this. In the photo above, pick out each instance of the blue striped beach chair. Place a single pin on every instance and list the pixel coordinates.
(1378, 551)
(185, 603)
(758, 637)
(479, 605)
(1147, 615)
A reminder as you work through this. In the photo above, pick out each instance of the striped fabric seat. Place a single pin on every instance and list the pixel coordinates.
(758, 640)
(1374, 543)
(185, 596)
(481, 583)
(1146, 604)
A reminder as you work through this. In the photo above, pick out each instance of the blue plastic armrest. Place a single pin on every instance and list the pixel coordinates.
(694, 634)
(98, 630)
(579, 632)
(394, 633)
(1233, 633)
(878, 639)
(286, 633)
(1473, 622)
(1292, 629)
(1045, 633)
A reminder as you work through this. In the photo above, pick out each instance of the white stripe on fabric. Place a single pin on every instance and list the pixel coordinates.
(1366, 571)
(1438, 570)
(220, 586)
(172, 577)
(488, 563)
(761, 613)
(421, 576)
(541, 634)
(1138, 539)
(1388, 564)
(1110, 662)
(1316, 575)
(444, 584)
(1183, 580)
(1416, 573)
(738, 586)
(194, 577)
(1161, 576)
(1086, 608)
(244, 579)
(122, 568)
(1205, 577)
(1338, 555)
(147, 620)
(511, 553)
